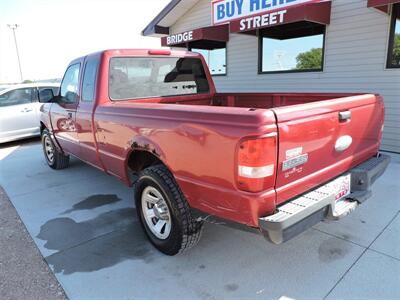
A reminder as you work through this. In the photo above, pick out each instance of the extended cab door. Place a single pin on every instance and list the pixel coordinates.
(321, 140)
(63, 112)
(85, 111)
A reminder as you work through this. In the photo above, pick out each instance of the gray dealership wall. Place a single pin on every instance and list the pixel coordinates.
(355, 60)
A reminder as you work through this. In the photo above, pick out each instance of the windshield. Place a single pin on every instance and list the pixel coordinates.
(149, 77)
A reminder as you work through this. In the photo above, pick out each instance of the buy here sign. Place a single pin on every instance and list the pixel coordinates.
(225, 11)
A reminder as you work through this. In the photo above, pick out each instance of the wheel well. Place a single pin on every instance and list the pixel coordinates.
(42, 127)
(140, 160)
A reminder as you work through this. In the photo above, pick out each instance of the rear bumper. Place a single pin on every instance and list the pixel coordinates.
(365, 174)
(300, 213)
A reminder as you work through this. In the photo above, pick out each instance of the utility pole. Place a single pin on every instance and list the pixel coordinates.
(14, 27)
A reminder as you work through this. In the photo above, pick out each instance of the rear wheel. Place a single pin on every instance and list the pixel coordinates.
(54, 158)
(164, 212)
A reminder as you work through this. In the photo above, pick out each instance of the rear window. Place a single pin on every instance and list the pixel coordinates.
(149, 77)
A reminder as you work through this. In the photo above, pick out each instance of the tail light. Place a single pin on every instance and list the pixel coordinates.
(257, 164)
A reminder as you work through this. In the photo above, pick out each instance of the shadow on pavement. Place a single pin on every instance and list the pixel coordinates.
(94, 244)
(93, 202)
(20, 143)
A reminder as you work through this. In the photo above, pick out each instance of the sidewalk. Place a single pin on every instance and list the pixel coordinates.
(23, 272)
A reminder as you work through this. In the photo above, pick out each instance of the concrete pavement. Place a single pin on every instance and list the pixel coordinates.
(24, 273)
(85, 225)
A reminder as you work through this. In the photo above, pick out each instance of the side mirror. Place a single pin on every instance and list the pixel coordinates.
(46, 96)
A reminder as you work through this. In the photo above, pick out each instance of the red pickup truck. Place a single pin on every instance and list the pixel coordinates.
(276, 162)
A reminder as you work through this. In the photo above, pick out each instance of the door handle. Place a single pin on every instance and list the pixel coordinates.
(26, 110)
(344, 115)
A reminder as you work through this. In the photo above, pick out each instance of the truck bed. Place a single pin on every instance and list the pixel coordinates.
(272, 100)
(309, 122)
(249, 100)
(208, 129)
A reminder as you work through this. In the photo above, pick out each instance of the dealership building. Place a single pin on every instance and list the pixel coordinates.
(293, 46)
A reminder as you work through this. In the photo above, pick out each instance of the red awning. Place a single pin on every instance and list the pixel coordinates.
(205, 38)
(383, 5)
(316, 12)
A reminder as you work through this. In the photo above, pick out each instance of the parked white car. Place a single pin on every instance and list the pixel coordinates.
(19, 110)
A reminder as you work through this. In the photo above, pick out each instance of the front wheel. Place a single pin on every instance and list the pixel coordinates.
(164, 212)
(54, 158)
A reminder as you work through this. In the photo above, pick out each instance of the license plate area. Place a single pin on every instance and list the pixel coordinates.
(340, 187)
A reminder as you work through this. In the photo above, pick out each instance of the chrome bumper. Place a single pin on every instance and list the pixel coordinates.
(300, 213)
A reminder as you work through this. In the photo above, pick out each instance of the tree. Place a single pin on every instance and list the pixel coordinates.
(27, 81)
(309, 60)
(396, 50)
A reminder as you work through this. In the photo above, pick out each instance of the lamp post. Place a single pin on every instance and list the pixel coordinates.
(14, 27)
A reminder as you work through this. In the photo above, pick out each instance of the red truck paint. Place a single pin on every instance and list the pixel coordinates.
(198, 136)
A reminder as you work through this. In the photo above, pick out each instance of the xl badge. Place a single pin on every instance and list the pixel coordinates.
(294, 162)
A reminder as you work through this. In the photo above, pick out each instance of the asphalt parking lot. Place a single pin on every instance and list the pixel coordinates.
(85, 226)
(24, 273)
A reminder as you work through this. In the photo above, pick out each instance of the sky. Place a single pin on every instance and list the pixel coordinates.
(51, 33)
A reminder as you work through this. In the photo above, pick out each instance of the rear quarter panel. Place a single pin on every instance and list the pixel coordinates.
(197, 143)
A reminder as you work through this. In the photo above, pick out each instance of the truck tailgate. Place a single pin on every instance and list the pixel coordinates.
(320, 140)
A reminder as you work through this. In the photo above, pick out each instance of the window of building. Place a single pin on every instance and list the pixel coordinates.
(394, 41)
(215, 59)
(291, 49)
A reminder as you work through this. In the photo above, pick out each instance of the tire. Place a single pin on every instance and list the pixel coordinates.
(54, 158)
(183, 231)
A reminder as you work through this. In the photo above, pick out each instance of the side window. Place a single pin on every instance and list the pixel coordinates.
(69, 85)
(56, 90)
(89, 79)
(35, 95)
(394, 42)
(16, 97)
